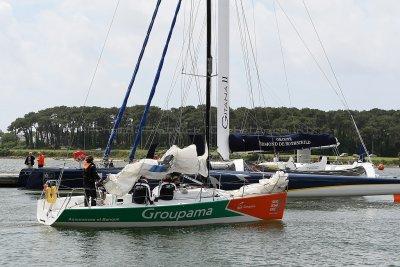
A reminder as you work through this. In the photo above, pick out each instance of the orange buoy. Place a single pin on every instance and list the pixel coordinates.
(396, 198)
(381, 167)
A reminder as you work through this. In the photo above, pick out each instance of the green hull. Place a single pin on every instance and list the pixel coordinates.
(149, 215)
(164, 213)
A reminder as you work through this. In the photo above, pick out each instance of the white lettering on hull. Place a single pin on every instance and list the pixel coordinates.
(151, 214)
(285, 143)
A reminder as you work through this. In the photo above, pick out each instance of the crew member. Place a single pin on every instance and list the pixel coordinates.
(176, 179)
(30, 160)
(40, 160)
(90, 177)
(141, 193)
(165, 190)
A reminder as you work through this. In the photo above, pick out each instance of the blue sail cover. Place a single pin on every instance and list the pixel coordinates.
(252, 142)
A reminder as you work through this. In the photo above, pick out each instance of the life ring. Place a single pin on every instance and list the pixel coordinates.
(51, 194)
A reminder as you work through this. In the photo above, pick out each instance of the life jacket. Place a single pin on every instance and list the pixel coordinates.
(40, 160)
(51, 194)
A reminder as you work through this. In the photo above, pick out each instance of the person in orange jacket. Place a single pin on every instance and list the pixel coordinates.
(40, 160)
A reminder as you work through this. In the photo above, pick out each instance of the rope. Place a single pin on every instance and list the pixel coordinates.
(283, 61)
(101, 53)
(245, 58)
(185, 84)
(89, 89)
(337, 82)
(253, 51)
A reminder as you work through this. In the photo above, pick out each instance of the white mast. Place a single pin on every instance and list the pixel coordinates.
(223, 79)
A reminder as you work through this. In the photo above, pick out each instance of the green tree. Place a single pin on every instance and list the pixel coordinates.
(8, 140)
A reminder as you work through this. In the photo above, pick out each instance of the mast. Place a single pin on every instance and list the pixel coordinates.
(223, 80)
(208, 82)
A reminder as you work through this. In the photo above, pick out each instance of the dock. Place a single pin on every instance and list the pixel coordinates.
(8, 179)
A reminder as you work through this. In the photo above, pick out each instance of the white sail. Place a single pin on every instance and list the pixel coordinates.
(183, 160)
(223, 79)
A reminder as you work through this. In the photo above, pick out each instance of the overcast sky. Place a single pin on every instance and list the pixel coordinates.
(49, 49)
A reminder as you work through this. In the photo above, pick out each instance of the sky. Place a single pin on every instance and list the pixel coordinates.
(49, 50)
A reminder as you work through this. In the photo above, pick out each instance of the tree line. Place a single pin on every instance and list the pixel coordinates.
(90, 127)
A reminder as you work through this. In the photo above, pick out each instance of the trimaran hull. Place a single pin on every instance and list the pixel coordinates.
(309, 185)
(346, 191)
(245, 209)
(300, 185)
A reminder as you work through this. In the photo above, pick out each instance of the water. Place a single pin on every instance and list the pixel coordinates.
(336, 231)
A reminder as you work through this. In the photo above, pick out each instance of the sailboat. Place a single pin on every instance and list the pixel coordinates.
(186, 206)
(123, 206)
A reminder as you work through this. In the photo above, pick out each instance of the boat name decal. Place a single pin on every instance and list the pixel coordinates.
(151, 214)
(284, 141)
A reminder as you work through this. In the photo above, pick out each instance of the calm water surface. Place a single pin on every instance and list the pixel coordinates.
(336, 231)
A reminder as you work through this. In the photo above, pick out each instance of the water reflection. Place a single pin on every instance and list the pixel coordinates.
(167, 232)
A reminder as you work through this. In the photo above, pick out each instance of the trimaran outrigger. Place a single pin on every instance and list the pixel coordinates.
(181, 207)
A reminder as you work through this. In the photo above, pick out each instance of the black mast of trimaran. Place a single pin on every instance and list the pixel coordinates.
(208, 82)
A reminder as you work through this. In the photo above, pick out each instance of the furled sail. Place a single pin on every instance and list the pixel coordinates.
(277, 183)
(251, 142)
(223, 79)
(179, 160)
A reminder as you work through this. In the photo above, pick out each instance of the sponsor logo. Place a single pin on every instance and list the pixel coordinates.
(243, 205)
(274, 205)
(224, 121)
(225, 114)
(282, 139)
(151, 214)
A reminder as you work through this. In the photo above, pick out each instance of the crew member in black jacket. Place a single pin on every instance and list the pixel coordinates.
(30, 160)
(90, 177)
